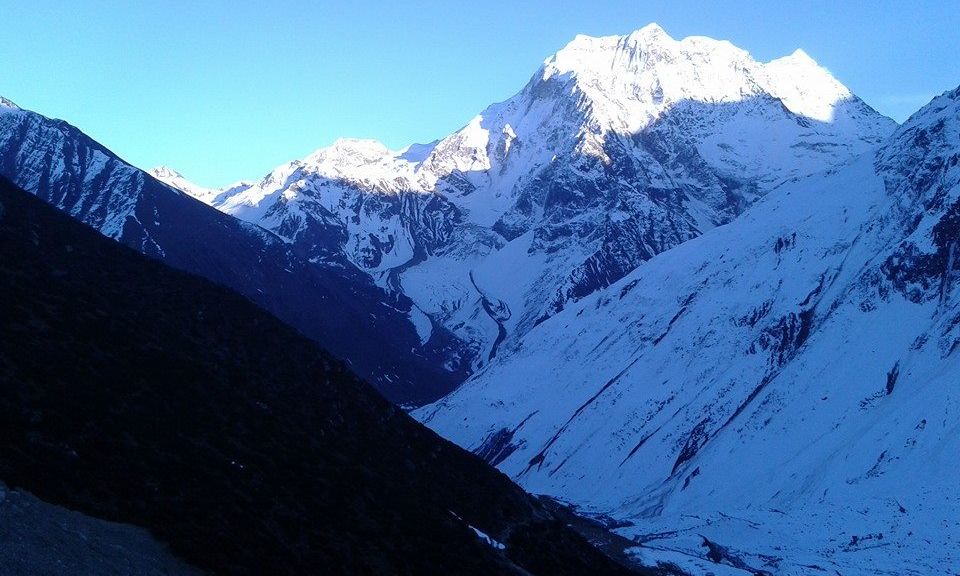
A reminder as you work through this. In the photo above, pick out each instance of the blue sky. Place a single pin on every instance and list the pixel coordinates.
(225, 90)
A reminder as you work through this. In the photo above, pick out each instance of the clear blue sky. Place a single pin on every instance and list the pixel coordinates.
(224, 90)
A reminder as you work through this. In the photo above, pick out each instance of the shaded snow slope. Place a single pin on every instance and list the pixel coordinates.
(784, 386)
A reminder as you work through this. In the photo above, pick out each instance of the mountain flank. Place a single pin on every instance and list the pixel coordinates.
(136, 393)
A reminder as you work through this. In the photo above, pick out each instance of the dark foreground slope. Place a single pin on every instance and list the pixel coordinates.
(39, 539)
(134, 392)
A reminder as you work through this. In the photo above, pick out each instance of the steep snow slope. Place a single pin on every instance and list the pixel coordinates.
(335, 304)
(784, 386)
(618, 148)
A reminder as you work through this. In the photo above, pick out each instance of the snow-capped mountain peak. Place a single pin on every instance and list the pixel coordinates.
(7, 105)
(356, 158)
(163, 172)
(618, 148)
(176, 180)
(351, 151)
(801, 58)
(805, 87)
(633, 79)
(650, 32)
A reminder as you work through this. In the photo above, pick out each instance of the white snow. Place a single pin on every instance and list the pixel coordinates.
(421, 322)
(490, 541)
(48, 157)
(7, 106)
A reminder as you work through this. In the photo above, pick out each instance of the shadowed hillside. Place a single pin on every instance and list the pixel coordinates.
(137, 393)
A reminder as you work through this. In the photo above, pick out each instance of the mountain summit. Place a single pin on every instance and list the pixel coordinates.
(639, 76)
(617, 149)
(173, 178)
(7, 104)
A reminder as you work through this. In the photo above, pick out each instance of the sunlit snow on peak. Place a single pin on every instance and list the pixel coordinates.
(637, 77)
(805, 87)
(7, 106)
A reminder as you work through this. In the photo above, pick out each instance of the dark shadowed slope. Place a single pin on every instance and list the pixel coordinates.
(137, 393)
(39, 539)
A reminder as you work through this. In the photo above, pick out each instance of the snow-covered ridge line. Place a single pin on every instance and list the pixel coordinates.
(661, 71)
(176, 180)
(656, 69)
